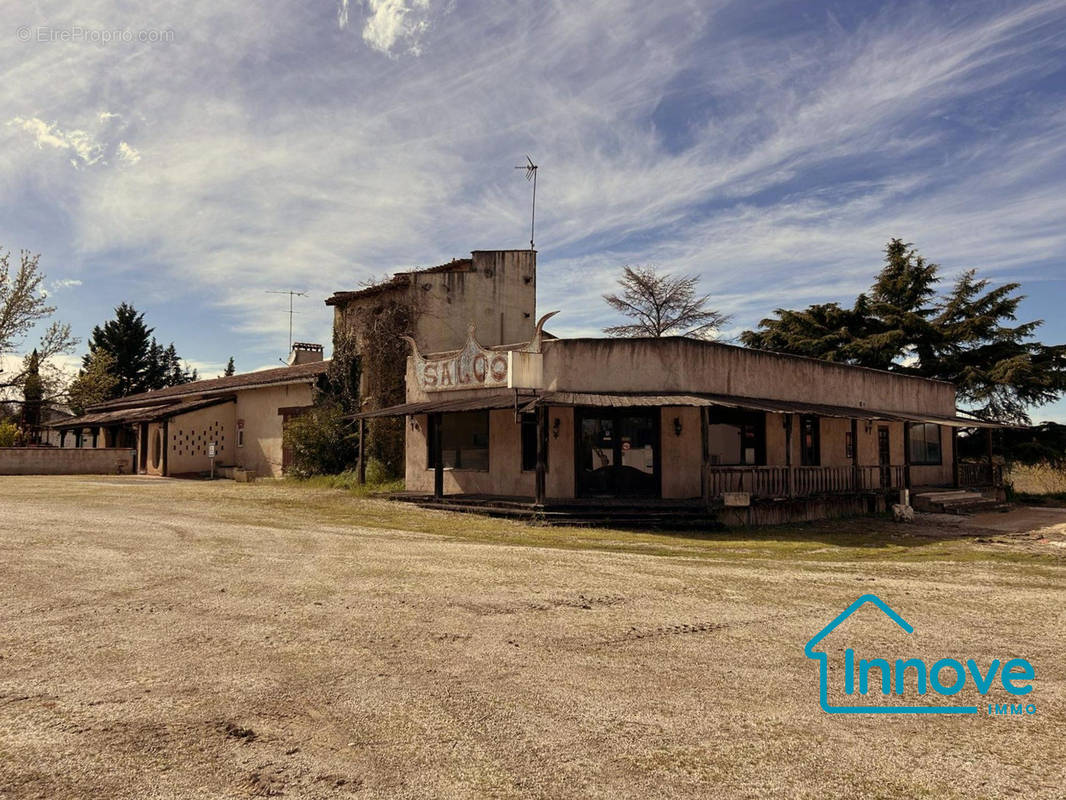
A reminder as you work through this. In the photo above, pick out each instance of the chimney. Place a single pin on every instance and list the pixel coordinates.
(304, 353)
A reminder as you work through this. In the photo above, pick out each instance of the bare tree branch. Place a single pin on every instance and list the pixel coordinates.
(662, 305)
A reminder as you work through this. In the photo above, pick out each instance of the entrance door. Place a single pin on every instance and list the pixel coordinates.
(884, 457)
(617, 453)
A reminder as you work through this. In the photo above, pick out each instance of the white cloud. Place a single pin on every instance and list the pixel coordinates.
(392, 22)
(278, 162)
(65, 284)
(127, 154)
(83, 150)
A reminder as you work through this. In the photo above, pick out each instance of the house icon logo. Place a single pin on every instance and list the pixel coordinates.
(907, 677)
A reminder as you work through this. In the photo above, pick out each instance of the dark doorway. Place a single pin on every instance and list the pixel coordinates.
(810, 441)
(884, 456)
(618, 453)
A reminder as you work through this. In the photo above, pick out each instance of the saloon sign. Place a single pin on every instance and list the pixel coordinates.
(473, 367)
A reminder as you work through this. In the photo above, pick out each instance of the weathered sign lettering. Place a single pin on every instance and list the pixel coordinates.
(473, 367)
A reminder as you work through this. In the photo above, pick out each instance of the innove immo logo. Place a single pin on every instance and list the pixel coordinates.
(946, 677)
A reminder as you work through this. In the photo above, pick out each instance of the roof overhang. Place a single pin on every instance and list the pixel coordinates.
(482, 403)
(632, 400)
(527, 402)
(126, 416)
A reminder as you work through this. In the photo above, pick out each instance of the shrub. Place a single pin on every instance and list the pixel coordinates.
(9, 434)
(322, 442)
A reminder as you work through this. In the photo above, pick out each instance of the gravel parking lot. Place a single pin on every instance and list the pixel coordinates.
(207, 639)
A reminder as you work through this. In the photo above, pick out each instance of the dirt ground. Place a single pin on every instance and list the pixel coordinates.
(200, 640)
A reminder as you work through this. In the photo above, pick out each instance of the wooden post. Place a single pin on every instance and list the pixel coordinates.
(790, 477)
(991, 466)
(542, 454)
(907, 456)
(438, 455)
(856, 484)
(361, 465)
(705, 463)
(955, 457)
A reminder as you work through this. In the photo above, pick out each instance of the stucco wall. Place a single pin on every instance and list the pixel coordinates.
(497, 292)
(682, 456)
(505, 475)
(65, 461)
(263, 425)
(189, 434)
(680, 365)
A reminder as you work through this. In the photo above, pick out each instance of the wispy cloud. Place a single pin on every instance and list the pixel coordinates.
(772, 150)
(83, 148)
(391, 24)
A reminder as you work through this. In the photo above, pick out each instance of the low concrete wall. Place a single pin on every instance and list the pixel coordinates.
(65, 461)
(808, 509)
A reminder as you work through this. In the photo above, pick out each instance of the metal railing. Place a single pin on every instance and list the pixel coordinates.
(801, 481)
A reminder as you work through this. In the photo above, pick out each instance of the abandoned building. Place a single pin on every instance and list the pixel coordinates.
(497, 415)
(174, 431)
(492, 289)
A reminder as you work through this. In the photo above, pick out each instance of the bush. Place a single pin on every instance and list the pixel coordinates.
(9, 434)
(322, 442)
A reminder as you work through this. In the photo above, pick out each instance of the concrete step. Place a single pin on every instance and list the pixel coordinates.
(953, 502)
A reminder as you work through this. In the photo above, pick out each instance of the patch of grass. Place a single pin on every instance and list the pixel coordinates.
(855, 539)
(1053, 499)
(349, 479)
(1037, 479)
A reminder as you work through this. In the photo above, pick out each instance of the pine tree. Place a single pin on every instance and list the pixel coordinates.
(903, 325)
(138, 362)
(231, 368)
(32, 396)
(128, 340)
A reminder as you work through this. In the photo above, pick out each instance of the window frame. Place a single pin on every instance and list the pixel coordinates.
(431, 440)
(925, 461)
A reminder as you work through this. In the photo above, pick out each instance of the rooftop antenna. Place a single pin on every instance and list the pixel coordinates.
(291, 293)
(531, 175)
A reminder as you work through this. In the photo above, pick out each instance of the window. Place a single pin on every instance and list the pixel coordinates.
(240, 437)
(924, 443)
(810, 441)
(464, 440)
(529, 443)
(735, 436)
(849, 445)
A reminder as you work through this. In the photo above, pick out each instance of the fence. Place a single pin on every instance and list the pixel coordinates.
(802, 481)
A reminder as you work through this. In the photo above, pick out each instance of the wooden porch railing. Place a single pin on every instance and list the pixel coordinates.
(981, 474)
(801, 481)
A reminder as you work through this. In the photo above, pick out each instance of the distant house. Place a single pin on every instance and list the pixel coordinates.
(171, 430)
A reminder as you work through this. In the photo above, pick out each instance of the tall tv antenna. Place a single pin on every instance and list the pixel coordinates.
(531, 175)
(291, 293)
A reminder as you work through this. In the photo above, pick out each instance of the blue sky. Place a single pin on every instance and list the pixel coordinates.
(772, 148)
